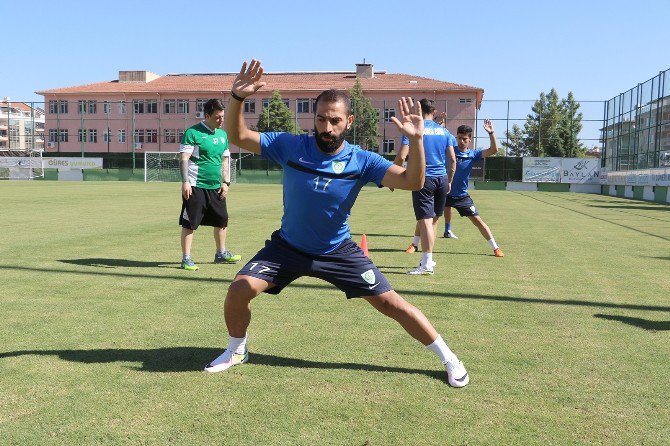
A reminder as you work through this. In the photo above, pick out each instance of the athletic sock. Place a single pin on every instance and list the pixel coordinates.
(237, 345)
(493, 243)
(416, 240)
(220, 251)
(186, 256)
(426, 258)
(447, 227)
(439, 347)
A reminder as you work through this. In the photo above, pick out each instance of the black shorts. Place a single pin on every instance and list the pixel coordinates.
(347, 268)
(464, 205)
(429, 201)
(204, 207)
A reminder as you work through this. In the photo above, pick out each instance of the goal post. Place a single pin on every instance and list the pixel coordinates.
(164, 167)
(21, 164)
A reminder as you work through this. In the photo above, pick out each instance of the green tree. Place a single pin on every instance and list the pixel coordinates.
(365, 130)
(277, 117)
(552, 129)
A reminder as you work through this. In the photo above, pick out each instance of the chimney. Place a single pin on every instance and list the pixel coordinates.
(137, 76)
(365, 70)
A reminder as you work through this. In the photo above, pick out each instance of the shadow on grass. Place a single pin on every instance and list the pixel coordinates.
(119, 263)
(645, 324)
(659, 207)
(190, 276)
(194, 359)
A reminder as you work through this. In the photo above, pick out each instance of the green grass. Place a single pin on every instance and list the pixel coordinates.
(102, 338)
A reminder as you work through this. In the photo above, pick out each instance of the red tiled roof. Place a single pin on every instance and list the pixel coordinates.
(308, 81)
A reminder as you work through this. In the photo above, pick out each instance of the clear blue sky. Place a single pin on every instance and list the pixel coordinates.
(513, 50)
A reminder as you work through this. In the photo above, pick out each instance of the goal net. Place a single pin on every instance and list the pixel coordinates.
(21, 164)
(164, 166)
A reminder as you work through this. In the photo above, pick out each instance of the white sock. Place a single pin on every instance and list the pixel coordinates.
(416, 240)
(427, 258)
(237, 345)
(439, 347)
(493, 243)
(221, 251)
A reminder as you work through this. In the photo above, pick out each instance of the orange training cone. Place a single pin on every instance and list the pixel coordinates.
(364, 245)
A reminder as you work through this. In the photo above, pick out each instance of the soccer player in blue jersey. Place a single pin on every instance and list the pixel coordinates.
(458, 197)
(429, 202)
(323, 175)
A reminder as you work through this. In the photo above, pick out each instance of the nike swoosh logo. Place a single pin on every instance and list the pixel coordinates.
(303, 161)
(372, 287)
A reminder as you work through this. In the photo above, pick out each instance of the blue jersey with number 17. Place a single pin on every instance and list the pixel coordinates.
(319, 189)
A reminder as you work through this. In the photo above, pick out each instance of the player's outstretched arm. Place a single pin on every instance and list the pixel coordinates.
(246, 83)
(488, 126)
(412, 177)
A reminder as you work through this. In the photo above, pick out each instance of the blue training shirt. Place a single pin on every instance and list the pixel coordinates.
(464, 162)
(436, 139)
(319, 189)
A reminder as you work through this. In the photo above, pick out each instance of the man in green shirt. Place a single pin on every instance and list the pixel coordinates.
(204, 161)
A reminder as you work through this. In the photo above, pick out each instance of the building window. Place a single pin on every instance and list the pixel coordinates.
(465, 100)
(388, 114)
(303, 105)
(180, 135)
(389, 145)
(62, 107)
(81, 107)
(265, 103)
(81, 135)
(62, 135)
(138, 135)
(169, 106)
(107, 136)
(92, 135)
(122, 107)
(200, 105)
(170, 136)
(53, 135)
(138, 106)
(182, 106)
(53, 106)
(92, 107)
(121, 136)
(249, 106)
(106, 107)
(151, 106)
(151, 136)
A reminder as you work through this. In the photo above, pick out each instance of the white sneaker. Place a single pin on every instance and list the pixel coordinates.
(450, 234)
(422, 271)
(458, 376)
(226, 360)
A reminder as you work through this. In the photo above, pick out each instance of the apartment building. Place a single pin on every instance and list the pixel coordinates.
(21, 126)
(142, 111)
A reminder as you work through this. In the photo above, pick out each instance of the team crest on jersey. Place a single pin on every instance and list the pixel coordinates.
(369, 276)
(338, 167)
(473, 209)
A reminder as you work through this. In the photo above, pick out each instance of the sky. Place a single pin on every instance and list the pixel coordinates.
(514, 50)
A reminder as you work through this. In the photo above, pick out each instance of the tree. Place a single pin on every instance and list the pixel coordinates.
(365, 131)
(277, 117)
(552, 129)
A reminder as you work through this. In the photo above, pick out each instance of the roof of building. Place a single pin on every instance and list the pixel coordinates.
(293, 81)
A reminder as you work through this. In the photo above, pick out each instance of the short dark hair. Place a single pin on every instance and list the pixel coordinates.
(427, 106)
(211, 106)
(333, 95)
(464, 130)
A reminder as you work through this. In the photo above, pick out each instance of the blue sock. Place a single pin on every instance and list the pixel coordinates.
(447, 227)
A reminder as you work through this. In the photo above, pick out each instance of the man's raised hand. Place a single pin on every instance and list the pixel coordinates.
(412, 123)
(248, 81)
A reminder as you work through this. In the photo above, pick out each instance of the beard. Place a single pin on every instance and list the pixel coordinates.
(328, 145)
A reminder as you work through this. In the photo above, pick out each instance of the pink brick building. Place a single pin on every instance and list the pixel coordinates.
(142, 111)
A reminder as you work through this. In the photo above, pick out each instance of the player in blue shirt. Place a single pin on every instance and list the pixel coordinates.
(323, 175)
(458, 197)
(429, 202)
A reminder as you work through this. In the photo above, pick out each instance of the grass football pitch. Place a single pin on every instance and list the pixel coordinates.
(103, 338)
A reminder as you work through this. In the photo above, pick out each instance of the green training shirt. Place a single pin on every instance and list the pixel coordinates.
(207, 148)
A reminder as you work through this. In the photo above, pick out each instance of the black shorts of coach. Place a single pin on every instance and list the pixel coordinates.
(204, 207)
(348, 268)
(464, 205)
(429, 201)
